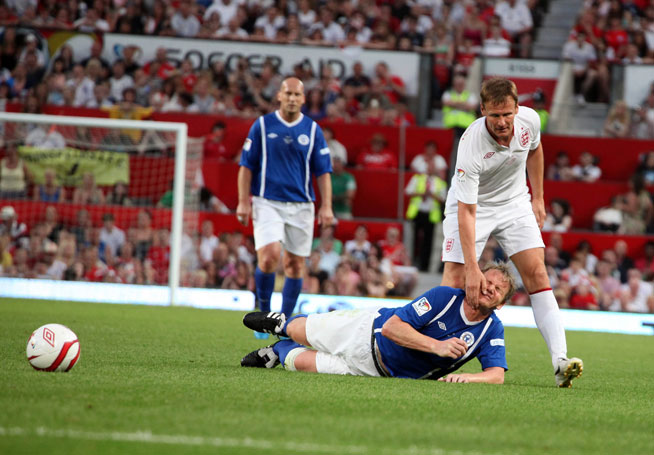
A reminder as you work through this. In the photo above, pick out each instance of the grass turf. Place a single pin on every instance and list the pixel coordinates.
(168, 380)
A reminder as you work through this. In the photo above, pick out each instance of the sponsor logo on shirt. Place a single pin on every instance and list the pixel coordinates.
(449, 244)
(324, 151)
(488, 155)
(441, 325)
(422, 306)
(247, 145)
(303, 139)
(497, 342)
(272, 135)
(468, 338)
(461, 175)
(524, 138)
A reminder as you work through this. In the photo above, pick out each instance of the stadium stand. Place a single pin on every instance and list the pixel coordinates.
(356, 107)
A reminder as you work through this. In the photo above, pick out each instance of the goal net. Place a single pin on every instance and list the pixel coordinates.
(95, 199)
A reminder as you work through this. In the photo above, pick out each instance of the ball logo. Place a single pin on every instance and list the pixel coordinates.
(303, 139)
(524, 138)
(468, 338)
(49, 336)
(247, 145)
(460, 173)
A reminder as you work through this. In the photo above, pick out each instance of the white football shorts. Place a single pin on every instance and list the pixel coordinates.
(342, 339)
(513, 225)
(288, 222)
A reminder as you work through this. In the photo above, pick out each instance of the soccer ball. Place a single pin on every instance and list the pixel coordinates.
(53, 347)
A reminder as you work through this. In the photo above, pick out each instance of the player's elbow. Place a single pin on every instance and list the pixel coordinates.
(389, 329)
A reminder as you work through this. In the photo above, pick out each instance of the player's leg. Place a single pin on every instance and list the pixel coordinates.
(268, 233)
(298, 234)
(294, 272)
(521, 240)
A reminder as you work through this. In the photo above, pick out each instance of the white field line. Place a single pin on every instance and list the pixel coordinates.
(147, 437)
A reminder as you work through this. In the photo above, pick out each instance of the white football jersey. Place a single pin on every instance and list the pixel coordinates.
(490, 174)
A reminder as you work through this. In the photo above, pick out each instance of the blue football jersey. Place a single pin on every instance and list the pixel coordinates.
(438, 313)
(282, 156)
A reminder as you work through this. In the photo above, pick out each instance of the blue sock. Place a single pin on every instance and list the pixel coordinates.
(265, 283)
(282, 348)
(301, 315)
(292, 288)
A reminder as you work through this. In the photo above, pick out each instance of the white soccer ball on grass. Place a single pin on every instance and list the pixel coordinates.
(53, 347)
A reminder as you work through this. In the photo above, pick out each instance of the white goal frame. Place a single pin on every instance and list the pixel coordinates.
(181, 138)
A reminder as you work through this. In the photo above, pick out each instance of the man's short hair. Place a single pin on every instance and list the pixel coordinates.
(504, 269)
(496, 89)
(108, 217)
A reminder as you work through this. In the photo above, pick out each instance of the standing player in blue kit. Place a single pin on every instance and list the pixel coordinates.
(282, 151)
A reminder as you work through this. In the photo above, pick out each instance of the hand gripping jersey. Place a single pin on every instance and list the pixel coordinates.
(282, 156)
(439, 314)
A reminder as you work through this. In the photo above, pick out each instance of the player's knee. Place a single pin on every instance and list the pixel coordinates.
(267, 263)
(296, 329)
(294, 267)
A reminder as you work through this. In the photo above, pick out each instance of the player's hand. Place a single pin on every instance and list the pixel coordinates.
(452, 348)
(475, 283)
(460, 378)
(243, 212)
(538, 206)
(325, 216)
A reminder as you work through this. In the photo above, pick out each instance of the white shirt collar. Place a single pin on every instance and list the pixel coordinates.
(281, 119)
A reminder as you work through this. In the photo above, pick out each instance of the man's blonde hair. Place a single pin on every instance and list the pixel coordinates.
(504, 269)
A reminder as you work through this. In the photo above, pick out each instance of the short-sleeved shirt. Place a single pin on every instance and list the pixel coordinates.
(282, 156)
(341, 184)
(439, 314)
(490, 174)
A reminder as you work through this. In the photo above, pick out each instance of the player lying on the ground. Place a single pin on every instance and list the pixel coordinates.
(429, 338)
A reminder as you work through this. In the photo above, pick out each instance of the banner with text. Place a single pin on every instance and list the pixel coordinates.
(71, 164)
(203, 52)
(528, 75)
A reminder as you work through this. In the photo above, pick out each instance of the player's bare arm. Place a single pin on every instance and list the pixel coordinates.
(474, 279)
(399, 332)
(492, 375)
(325, 213)
(244, 207)
(535, 170)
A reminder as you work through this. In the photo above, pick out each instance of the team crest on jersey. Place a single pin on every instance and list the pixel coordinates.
(449, 244)
(422, 306)
(524, 138)
(488, 155)
(247, 145)
(468, 338)
(303, 139)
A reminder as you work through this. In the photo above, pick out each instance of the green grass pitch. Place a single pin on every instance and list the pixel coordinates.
(168, 381)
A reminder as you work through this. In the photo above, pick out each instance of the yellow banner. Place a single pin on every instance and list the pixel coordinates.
(71, 164)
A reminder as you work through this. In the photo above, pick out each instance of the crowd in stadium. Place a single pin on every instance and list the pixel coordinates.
(454, 32)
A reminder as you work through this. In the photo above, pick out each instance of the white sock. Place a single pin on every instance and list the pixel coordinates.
(289, 361)
(548, 319)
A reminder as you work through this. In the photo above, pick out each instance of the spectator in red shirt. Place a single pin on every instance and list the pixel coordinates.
(392, 247)
(377, 156)
(394, 87)
(583, 298)
(158, 256)
(214, 147)
(616, 39)
(163, 69)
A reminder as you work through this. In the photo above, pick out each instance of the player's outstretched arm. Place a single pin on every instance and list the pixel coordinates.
(399, 332)
(474, 279)
(492, 375)
(244, 207)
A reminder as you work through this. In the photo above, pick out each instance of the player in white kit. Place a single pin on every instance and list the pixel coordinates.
(489, 196)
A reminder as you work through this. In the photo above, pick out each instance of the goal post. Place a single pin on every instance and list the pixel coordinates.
(15, 126)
